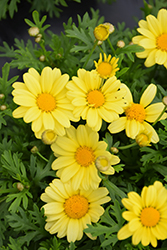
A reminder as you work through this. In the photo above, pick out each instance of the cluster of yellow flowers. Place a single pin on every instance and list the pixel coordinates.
(50, 101)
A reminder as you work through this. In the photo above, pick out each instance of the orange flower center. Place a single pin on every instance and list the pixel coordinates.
(95, 98)
(84, 156)
(46, 102)
(76, 206)
(162, 42)
(135, 111)
(104, 69)
(149, 217)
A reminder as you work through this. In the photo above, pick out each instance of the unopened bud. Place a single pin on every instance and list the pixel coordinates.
(114, 150)
(131, 43)
(2, 96)
(99, 42)
(150, 6)
(34, 150)
(20, 186)
(164, 100)
(49, 136)
(120, 44)
(38, 38)
(143, 140)
(102, 163)
(111, 27)
(42, 58)
(33, 31)
(3, 107)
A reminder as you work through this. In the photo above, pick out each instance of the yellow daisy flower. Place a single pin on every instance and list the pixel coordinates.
(153, 38)
(76, 154)
(108, 67)
(94, 102)
(69, 211)
(42, 99)
(137, 114)
(146, 215)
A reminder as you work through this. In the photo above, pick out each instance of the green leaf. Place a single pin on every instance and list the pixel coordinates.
(13, 7)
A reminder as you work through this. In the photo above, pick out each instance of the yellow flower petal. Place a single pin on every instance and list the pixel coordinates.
(32, 114)
(118, 125)
(148, 95)
(19, 112)
(124, 233)
(150, 61)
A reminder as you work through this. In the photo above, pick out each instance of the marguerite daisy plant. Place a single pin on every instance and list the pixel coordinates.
(146, 215)
(42, 99)
(69, 211)
(76, 154)
(137, 115)
(153, 39)
(93, 101)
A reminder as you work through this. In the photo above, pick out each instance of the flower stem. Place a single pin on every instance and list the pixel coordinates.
(91, 52)
(163, 111)
(42, 157)
(112, 48)
(128, 146)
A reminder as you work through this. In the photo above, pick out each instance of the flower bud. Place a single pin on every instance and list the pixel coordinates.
(20, 186)
(101, 32)
(2, 96)
(42, 58)
(143, 139)
(99, 42)
(164, 100)
(111, 27)
(33, 31)
(48, 136)
(34, 150)
(3, 107)
(102, 163)
(114, 150)
(120, 44)
(38, 38)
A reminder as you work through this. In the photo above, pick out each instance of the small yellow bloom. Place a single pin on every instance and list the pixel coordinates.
(68, 211)
(153, 38)
(143, 139)
(76, 154)
(108, 67)
(101, 32)
(49, 136)
(139, 114)
(146, 215)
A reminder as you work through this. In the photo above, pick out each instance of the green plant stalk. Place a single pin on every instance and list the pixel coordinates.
(42, 157)
(111, 47)
(163, 111)
(91, 52)
(128, 146)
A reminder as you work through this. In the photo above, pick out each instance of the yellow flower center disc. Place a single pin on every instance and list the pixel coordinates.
(95, 98)
(136, 111)
(162, 42)
(149, 216)
(46, 102)
(76, 206)
(84, 156)
(104, 69)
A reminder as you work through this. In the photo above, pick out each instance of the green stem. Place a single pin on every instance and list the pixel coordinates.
(163, 111)
(91, 52)
(112, 48)
(42, 157)
(128, 146)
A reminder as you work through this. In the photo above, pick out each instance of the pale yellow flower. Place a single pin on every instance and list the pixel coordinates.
(139, 114)
(102, 32)
(153, 39)
(93, 101)
(68, 211)
(146, 215)
(106, 68)
(76, 154)
(42, 99)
